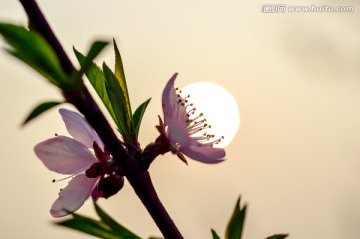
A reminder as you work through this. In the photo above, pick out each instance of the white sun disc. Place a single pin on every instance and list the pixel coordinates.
(219, 108)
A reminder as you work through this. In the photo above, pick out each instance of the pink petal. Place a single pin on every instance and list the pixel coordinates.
(79, 128)
(204, 154)
(177, 132)
(169, 98)
(64, 155)
(73, 196)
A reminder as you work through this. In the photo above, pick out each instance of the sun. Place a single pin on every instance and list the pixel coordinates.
(219, 108)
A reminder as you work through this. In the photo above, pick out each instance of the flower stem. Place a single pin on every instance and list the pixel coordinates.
(138, 177)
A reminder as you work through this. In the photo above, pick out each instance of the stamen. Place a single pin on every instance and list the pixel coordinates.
(211, 143)
(197, 129)
(199, 116)
(194, 124)
(186, 98)
(59, 180)
(182, 104)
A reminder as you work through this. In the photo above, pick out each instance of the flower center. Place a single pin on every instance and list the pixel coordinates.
(196, 124)
(110, 183)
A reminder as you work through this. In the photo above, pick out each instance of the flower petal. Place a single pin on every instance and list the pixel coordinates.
(177, 132)
(73, 196)
(204, 154)
(80, 129)
(169, 98)
(64, 155)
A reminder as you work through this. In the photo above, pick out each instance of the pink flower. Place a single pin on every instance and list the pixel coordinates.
(186, 131)
(91, 173)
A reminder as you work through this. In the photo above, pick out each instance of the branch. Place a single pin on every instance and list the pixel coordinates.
(138, 178)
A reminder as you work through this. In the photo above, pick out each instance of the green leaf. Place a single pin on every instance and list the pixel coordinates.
(98, 81)
(236, 223)
(89, 226)
(33, 49)
(106, 228)
(116, 227)
(120, 76)
(40, 109)
(95, 49)
(278, 236)
(214, 234)
(119, 103)
(111, 88)
(138, 115)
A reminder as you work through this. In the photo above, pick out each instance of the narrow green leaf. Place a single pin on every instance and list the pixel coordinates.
(32, 49)
(119, 103)
(138, 115)
(236, 223)
(89, 226)
(39, 110)
(116, 227)
(120, 76)
(95, 49)
(214, 234)
(97, 80)
(278, 236)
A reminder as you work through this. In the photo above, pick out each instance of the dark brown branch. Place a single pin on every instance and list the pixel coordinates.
(152, 150)
(82, 100)
(38, 23)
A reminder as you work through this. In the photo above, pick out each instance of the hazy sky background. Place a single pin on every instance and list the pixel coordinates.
(296, 79)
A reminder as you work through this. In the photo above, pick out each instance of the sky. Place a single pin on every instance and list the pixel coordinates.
(295, 76)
